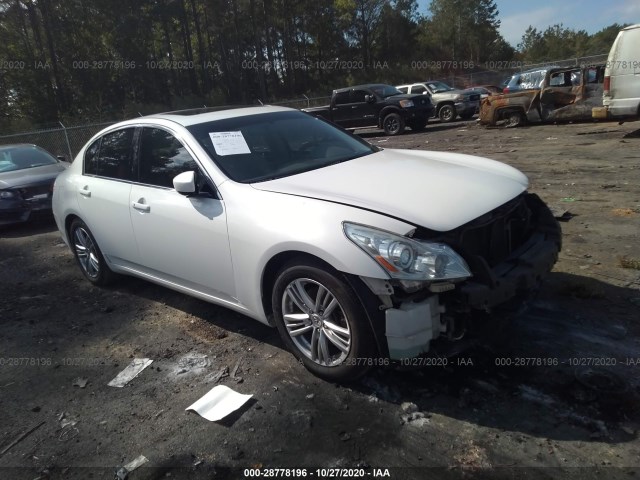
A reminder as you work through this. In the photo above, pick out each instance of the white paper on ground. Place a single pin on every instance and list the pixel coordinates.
(138, 462)
(219, 402)
(229, 143)
(129, 373)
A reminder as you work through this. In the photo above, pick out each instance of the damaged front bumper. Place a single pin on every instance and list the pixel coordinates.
(413, 323)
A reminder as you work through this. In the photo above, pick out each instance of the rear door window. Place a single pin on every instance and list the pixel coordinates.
(111, 156)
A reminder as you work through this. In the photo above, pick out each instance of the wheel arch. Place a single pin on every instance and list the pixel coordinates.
(386, 111)
(369, 302)
(442, 104)
(270, 272)
(67, 225)
(501, 112)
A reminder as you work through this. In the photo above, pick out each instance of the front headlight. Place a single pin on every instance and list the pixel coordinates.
(407, 259)
(7, 194)
(406, 103)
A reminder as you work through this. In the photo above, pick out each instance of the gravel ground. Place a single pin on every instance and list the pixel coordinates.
(492, 412)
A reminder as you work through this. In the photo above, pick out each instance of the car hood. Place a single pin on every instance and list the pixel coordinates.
(435, 190)
(453, 93)
(31, 176)
(404, 96)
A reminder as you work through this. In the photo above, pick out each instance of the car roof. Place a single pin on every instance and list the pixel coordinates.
(364, 85)
(539, 69)
(187, 118)
(18, 145)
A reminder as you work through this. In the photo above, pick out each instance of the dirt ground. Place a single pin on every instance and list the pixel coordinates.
(490, 413)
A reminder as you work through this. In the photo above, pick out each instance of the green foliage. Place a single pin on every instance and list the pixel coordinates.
(97, 60)
(558, 43)
(464, 29)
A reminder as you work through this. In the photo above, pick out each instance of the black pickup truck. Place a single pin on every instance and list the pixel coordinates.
(376, 105)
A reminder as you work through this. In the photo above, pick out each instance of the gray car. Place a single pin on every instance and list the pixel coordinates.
(449, 102)
(27, 173)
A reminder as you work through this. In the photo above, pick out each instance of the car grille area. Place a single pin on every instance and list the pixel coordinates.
(495, 237)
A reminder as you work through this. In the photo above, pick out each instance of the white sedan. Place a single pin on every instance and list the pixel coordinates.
(359, 256)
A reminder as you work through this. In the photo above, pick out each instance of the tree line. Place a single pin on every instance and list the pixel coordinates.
(92, 60)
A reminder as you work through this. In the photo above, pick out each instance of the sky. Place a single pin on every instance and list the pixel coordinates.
(590, 15)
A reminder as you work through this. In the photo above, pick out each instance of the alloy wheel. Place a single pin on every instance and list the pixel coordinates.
(86, 252)
(316, 322)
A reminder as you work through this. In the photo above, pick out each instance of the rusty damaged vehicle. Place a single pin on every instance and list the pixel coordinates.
(566, 94)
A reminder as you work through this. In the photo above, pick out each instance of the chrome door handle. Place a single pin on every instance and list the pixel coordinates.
(141, 207)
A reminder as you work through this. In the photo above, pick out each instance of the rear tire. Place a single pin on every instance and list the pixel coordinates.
(88, 254)
(321, 321)
(514, 118)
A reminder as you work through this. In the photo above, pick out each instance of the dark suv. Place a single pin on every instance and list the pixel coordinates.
(376, 105)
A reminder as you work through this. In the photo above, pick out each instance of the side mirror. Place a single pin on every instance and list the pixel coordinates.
(185, 182)
(369, 98)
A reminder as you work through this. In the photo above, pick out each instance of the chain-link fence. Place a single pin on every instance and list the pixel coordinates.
(67, 141)
(305, 102)
(61, 142)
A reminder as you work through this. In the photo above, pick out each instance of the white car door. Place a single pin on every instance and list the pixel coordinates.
(103, 195)
(181, 239)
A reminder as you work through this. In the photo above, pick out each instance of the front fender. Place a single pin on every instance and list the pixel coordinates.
(263, 224)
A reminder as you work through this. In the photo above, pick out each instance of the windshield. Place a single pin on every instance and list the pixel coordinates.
(386, 90)
(261, 147)
(437, 87)
(20, 158)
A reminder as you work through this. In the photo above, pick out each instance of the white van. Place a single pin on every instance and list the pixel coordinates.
(621, 97)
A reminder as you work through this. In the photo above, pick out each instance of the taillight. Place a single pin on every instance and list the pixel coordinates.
(607, 85)
(505, 90)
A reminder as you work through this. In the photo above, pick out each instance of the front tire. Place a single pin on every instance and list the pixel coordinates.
(321, 321)
(447, 113)
(88, 255)
(393, 124)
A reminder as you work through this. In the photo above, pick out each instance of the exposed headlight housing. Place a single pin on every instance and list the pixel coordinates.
(406, 103)
(407, 259)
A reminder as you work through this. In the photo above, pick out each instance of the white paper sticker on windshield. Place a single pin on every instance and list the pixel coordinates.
(229, 143)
